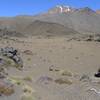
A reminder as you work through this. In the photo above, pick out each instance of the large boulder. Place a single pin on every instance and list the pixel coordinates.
(12, 54)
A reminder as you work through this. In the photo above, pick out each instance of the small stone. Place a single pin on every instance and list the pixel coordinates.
(50, 69)
(28, 52)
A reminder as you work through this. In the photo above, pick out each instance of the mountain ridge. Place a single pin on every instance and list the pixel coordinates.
(82, 20)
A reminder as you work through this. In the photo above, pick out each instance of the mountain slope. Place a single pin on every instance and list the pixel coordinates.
(84, 21)
(48, 29)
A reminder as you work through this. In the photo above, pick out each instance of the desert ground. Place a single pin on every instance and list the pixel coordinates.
(54, 69)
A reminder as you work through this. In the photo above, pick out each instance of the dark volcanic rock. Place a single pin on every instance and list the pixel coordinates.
(13, 54)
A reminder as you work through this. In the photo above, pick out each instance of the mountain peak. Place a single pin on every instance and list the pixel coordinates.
(66, 9)
(60, 9)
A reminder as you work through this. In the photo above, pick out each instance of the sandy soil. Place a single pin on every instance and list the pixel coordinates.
(78, 57)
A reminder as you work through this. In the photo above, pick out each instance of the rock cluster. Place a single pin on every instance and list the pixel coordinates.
(13, 54)
(7, 56)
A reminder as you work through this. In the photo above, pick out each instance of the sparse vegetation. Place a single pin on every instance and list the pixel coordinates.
(29, 59)
(27, 96)
(6, 91)
(63, 81)
(28, 78)
(65, 73)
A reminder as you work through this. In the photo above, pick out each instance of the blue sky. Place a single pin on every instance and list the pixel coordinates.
(31, 7)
